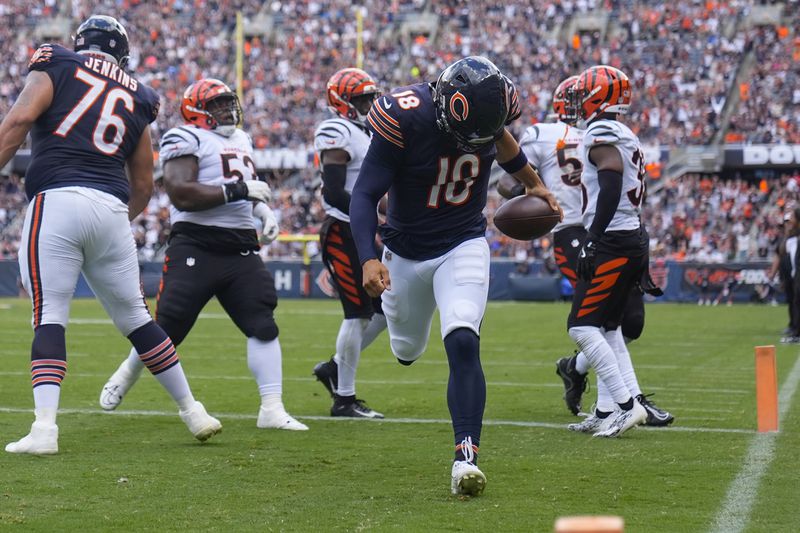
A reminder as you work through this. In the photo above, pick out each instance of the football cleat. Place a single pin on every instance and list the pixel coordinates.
(202, 425)
(327, 373)
(352, 407)
(42, 440)
(466, 478)
(592, 424)
(575, 383)
(117, 386)
(621, 421)
(276, 417)
(655, 417)
(790, 339)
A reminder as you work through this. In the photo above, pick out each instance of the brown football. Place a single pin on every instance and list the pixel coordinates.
(525, 218)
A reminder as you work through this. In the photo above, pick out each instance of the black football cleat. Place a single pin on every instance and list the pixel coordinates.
(575, 383)
(327, 373)
(352, 407)
(655, 417)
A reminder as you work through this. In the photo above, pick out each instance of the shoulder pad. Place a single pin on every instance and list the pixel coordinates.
(41, 58)
(179, 142)
(603, 132)
(383, 120)
(332, 134)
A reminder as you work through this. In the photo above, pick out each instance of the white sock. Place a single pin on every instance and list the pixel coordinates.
(46, 396)
(582, 363)
(46, 415)
(601, 356)
(374, 328)
(604, 400)
(348, 350)
(617, 342)
(134, 365)
(264, 360)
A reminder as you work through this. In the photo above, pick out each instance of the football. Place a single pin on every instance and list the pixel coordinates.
(525, 218)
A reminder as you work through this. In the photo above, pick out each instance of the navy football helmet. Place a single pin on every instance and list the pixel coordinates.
(474, 102)
(103, 34)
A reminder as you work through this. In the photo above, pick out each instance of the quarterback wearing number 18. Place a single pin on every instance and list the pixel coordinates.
(432, 149)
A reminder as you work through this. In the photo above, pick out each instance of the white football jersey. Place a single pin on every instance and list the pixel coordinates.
(619, 135)
(555, 149)
(341, 134)
(221, 160)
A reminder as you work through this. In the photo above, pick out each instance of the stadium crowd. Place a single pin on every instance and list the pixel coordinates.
(682, 56)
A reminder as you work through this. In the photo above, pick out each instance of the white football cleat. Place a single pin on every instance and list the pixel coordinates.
(117, 386)
(202, 425)
(276, 417)
(591, 424)
(621, 421)
(466, 478)
(42, 440)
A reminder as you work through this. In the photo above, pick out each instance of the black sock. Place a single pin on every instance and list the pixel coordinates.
(627, 406)
(466, 389)
(601, 414)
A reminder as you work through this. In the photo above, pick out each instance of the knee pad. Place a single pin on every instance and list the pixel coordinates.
(262, 328)
(462, 314)
(406, 351)
(632, 325)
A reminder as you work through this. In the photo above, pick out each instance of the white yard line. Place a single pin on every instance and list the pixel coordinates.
(734, 514)
(240, 416)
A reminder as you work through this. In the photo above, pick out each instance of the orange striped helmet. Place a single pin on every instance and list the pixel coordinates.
(211, 105)
(562, 104)
(602, 89)
(351, 92)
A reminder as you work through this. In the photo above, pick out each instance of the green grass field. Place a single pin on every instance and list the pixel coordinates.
(140, 469)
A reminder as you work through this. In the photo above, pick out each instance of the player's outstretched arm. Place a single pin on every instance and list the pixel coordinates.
(513, 160)
(140, 175)
(34, 100)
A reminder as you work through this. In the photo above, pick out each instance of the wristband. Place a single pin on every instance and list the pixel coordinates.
(516, 163)
(234, 191)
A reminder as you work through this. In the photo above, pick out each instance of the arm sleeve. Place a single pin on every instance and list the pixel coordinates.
(374, 180)
(607, 201)
(334, 178)
(178, 142)
(512, 99)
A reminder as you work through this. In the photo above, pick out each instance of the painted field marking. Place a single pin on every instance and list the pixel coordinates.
(734, 513)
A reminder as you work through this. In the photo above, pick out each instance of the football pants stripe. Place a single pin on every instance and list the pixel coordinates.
(34, 271)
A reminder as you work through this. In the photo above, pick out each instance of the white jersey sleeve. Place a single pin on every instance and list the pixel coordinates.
(333, 134)
(618, 135)
(179, 142)
(555, 150)
(337, 133)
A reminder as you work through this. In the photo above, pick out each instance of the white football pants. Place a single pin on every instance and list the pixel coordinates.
(457, 282)
(77, 229)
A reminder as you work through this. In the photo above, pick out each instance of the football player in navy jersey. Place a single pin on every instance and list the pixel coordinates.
(91, 171)
(432, 149)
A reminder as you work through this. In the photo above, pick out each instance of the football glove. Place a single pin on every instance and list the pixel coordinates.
(269, 224)
(247, 190)
(586, 259)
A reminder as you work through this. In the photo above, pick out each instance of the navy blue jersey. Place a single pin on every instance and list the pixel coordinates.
(92, 126)
(438, 192)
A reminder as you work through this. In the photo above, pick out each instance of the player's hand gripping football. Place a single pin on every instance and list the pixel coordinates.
(544, 193)
(586, 259)
(376, 277)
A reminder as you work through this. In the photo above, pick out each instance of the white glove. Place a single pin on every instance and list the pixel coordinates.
(269, 224)
(258, 190)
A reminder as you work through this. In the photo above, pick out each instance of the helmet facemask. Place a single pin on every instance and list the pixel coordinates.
(225, 112)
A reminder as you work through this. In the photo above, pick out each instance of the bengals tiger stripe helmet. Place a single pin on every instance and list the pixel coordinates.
(351, 92)
(563, 106)
(602, 89)
(211, 105)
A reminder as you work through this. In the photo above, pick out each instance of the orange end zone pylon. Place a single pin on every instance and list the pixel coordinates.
(766, 389)
(589, 524)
